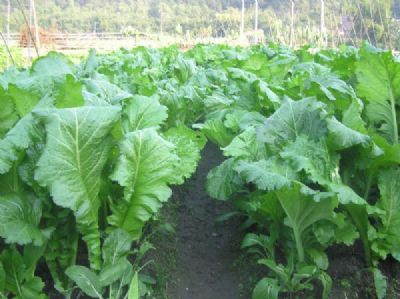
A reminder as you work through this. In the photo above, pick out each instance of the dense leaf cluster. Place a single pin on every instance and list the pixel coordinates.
(81, 159)
(88, 153)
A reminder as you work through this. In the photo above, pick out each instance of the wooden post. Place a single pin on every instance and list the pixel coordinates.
(27, 24)
(242, 21)
(31, 39)
(256, 22)
(35, 22)
(322, 23)
(292, 24)
(8, 29)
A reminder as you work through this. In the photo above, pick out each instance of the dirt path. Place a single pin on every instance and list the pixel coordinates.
(206, 252)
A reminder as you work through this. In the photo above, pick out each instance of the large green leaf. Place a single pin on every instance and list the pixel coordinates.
(144, 169)
(188, 145)
(19, 279)
(271, 174)
(313, 157)
(19, 218)
(8, 115)
(16, 140)
(342, 137)
(46, 73)
(86, 280)
(133, 292)
(76, 150)
(99, 92)
(116, 246)
(246, 145)
(267, 288)
(292, 119)
(303, 210)
(378, 76)
(380, 282)
(387, 240)
(215, 131)
(19, 138)
(321, 166)
(223, 181)
(143, 112)
(2, 278)
(389, 201)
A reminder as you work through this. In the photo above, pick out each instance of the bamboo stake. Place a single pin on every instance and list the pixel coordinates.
(373, 23)
(7, 48)
(387, 33)
(242, 21)
(292, 24)
(8, 28)
(27, 24)
(362, 22)
(256, 22)
(30, 26)
(322, 23)
(35, 22)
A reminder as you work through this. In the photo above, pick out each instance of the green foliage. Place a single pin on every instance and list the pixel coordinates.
(82, 159)
(90, 152)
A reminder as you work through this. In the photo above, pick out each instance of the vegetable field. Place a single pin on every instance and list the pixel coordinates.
(91, 152)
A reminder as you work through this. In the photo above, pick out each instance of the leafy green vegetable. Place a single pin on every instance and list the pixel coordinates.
(19, 217)
(72, 161)
(378, 76)
(145, 182)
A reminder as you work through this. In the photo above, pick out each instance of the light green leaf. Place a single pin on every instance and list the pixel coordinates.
(270, 98)
(313, 157)
(387, 240)
(380, 283)
(16, 140)
(113, 272)
(302, 210)
(142, 112)
(68, 94)
(217, 102)
(246, 145)
(188, 144)
(116, 246)
(326, 281)
(144, 168)
(24, 98)
(133, 292)
(19, 219)
(266, 288)
(269, 175)
(240, 120)
(76, 150)
(52, 65)
(389, 200)
(223, 180)
(19, 138)
(378, 78)
(215, 131)
(342, 137)
(32, 289)
(2, 277)
(319, 258)
(103, 93)
(352, 117)
(86, 280)
(292, 119)
(8, 115)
